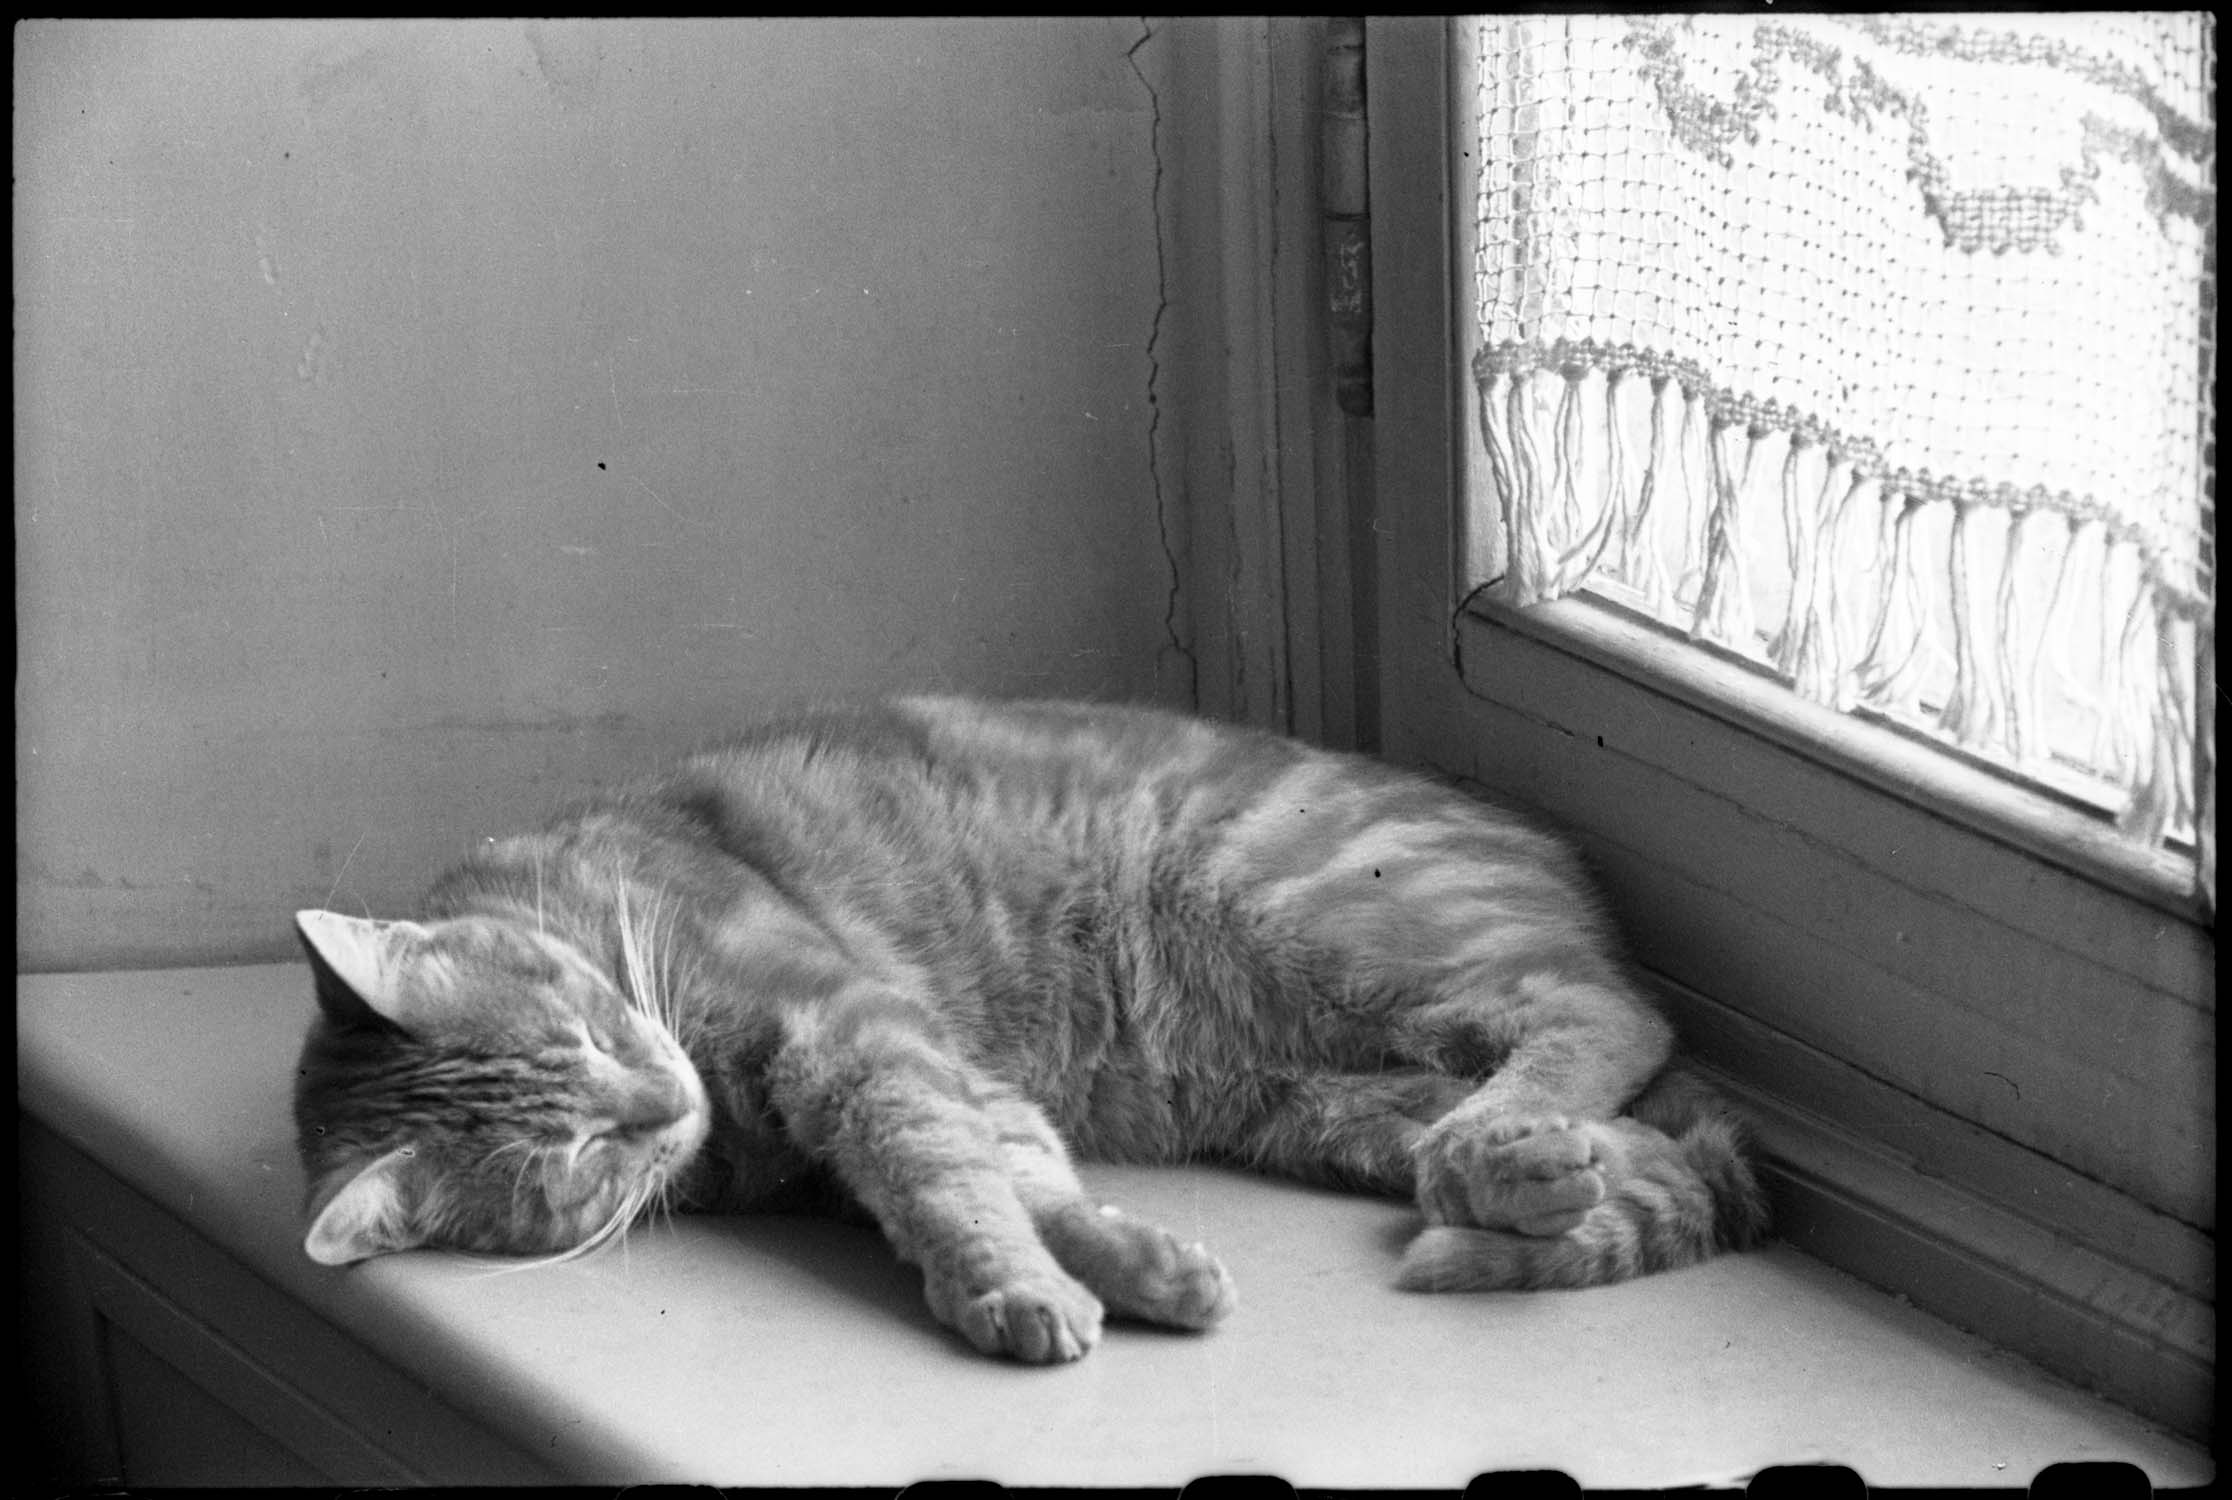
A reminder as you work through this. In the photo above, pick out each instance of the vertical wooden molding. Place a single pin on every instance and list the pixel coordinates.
(1269, 458)
(1254, 595)
(1339, 363)
(1344, 133)
(1416, 421)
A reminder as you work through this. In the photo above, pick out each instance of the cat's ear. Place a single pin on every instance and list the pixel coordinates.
(371, 1214)
(357, 963)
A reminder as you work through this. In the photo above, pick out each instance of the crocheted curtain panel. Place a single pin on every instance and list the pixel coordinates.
(1876, 349)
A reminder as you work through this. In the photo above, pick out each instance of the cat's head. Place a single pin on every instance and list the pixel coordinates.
(480, 1084)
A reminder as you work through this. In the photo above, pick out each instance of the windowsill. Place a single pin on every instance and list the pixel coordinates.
(739, 1351)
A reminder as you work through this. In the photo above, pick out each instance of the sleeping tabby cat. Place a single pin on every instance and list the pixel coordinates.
(903, 959)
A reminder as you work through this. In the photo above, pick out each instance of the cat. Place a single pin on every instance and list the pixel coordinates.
(901, 959)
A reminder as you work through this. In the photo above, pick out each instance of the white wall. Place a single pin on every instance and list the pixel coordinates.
(417, 423)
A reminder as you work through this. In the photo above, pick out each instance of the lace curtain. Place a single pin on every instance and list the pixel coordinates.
(1877, 349)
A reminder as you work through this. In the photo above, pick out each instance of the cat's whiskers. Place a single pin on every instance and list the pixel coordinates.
(648, 958)
(662, 966)
(625, 1211)
(530, 1153)
(681, 968)
(632, 1202)
(635, 976)
(672, 966)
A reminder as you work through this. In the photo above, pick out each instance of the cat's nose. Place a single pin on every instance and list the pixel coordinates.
(650, 1104)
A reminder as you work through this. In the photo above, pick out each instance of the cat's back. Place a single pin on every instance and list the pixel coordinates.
(1054, 789)
(1120, 779)
(938, 778)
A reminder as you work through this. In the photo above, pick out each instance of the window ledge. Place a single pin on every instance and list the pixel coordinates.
(735, 1351)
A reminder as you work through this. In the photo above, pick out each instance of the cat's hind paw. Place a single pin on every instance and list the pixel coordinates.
(1537, 1176)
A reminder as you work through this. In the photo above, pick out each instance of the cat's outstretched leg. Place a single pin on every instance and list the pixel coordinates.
(1139, 1269)
(865, 1086)
(1529, 1150)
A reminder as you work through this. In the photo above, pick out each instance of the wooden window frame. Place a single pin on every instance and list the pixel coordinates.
(1983, 1072)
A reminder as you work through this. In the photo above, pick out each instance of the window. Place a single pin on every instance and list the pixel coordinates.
(1871, 354)
(1973, 1015)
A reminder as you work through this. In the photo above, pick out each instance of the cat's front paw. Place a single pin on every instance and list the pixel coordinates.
(1166, 1280)
(1191, 1290)
(1040, 1319)
(1140, 1269)
(1536, 1176)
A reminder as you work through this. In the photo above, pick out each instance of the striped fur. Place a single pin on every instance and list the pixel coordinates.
(904, 959)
